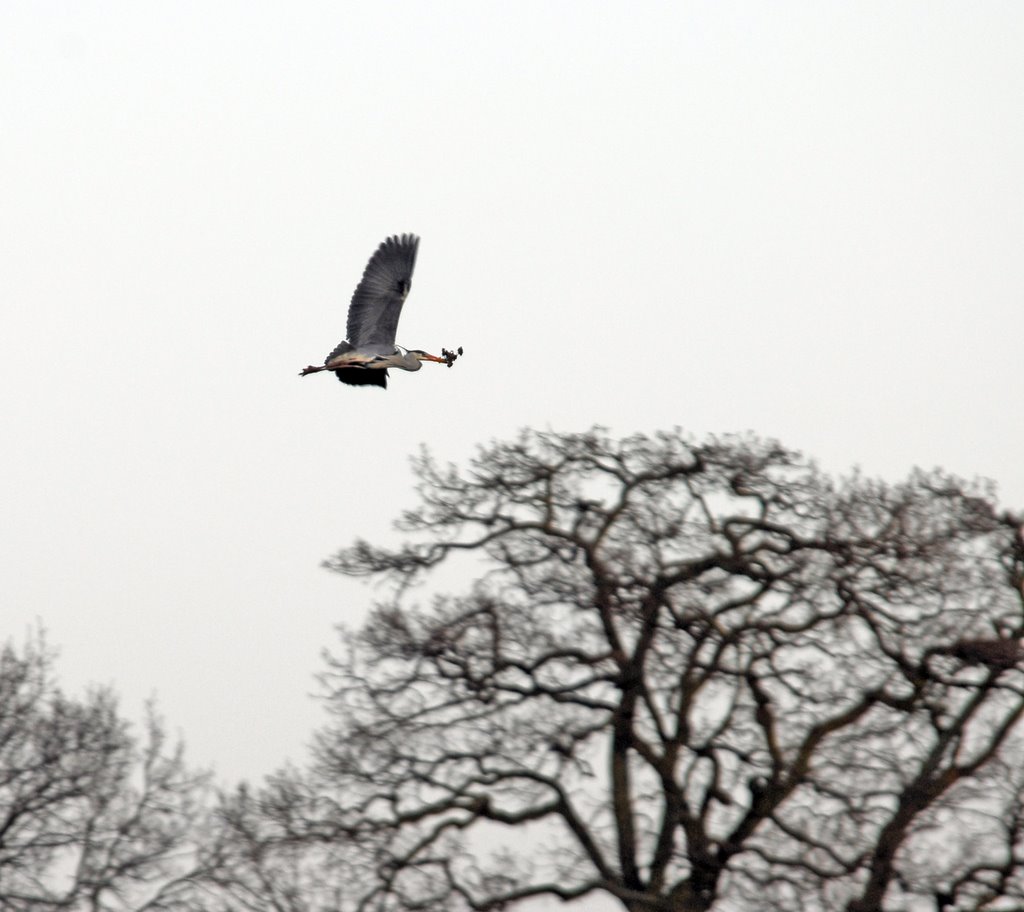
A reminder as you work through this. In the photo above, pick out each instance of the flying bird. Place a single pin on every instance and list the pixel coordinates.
(370, 349)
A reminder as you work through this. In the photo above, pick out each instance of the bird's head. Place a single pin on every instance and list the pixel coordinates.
(409, 358)
(423, 356)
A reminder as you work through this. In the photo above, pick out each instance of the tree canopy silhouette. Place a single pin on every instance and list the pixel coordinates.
(685, 676)
(92, 819)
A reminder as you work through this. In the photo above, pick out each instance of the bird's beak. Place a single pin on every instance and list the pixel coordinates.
(427, 357)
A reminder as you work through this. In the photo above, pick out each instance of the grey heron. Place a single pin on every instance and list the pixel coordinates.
(369, 350)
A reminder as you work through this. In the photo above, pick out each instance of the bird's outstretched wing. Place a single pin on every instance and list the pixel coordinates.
(377, 302)
(358, 376)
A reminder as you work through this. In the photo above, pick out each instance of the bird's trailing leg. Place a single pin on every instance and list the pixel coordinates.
(342, 361)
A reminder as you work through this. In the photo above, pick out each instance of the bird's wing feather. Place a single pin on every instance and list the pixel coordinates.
(339, 349)
(358, 376)
(377, 302)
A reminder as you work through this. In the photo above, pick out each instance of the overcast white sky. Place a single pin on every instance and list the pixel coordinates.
(803, 219)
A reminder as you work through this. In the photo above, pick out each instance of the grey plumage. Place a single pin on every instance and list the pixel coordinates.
(370, 349)
(378, 299)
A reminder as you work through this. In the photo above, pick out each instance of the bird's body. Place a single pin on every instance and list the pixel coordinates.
(360, 366)
(370, 349)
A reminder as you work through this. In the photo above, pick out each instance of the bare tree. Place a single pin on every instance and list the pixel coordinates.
(90, 819)
(685, 676)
